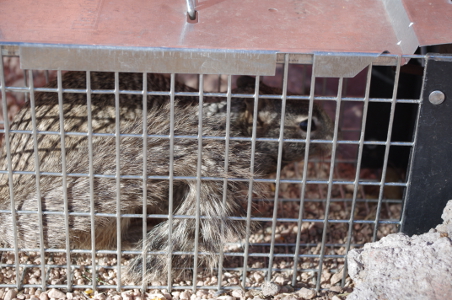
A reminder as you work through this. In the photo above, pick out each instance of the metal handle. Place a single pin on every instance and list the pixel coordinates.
(191, 9)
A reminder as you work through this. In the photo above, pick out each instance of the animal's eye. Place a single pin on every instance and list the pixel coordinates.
(304, 125)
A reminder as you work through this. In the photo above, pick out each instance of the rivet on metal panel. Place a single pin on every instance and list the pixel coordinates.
(436, 97)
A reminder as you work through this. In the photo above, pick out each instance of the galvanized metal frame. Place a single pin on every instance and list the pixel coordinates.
(287, 59)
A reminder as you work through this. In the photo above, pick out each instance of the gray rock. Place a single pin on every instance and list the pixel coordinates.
(270, 288)
(403, 267)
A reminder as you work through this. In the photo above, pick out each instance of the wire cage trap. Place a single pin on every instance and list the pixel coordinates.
(71, 123)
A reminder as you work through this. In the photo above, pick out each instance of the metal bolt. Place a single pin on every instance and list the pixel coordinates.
(436, 97)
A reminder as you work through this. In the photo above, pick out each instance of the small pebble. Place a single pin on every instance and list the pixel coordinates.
(43, 296)
(287, 289)
(225, 298)
(237, 293)
(154, 296)
(306, 293)
(280, 280)
(336, 289)
(201, 293)
(337, 277)
(270, 288)
(289, 297)
(100, 296)
(258, 277)
(325, 276)
(10, 295)
(126, 296)
(167, 296)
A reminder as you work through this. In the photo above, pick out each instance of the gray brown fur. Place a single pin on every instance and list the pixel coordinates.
(185, 162)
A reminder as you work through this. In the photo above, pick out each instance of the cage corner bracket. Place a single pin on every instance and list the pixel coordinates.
(347, 65)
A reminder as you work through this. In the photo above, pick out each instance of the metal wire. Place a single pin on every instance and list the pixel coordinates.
(171, 180)
(118, 183)
(278, 168)
(91, 179)
(305, 171)
(64, 177)
(10, 175)
(358, 169)
(226, 168)
(251, 180)
(145, 186)
(388, 139)
(330, 181)
(198, 181)
(37, 179)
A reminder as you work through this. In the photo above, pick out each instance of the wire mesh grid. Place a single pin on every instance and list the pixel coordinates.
(297, 233)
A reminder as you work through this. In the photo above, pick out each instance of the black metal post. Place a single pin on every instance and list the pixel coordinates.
(430, 179)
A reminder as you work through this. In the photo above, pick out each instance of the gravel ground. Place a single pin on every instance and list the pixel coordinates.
(285, 235)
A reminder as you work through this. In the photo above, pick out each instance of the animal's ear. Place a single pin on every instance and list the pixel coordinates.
(265, 112)
(266, 108)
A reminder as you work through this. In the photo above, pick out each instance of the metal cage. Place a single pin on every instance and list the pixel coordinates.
(319, 210)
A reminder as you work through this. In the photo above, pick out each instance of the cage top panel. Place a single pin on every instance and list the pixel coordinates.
(281, 25)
